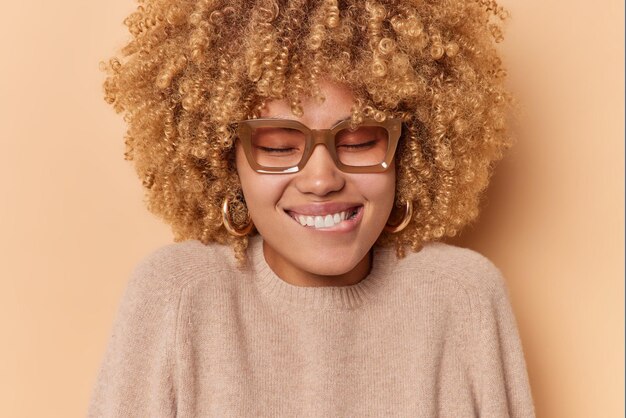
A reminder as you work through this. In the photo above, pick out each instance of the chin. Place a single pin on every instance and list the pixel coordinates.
(332, 264)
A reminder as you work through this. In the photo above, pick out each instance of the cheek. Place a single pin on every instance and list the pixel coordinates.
(379, 189)
(261, 191)
(390, 184)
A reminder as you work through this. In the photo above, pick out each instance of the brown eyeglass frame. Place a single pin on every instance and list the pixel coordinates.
(313, 137)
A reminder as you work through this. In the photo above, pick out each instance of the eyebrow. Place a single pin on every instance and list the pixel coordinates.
(342, 120)
(283, 117)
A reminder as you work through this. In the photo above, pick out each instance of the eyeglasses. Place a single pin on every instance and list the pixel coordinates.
(283, 146)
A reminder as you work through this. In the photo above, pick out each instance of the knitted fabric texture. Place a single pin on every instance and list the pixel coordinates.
(430, 335)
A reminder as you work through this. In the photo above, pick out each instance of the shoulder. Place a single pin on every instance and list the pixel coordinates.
(466, 268)
(167, 269)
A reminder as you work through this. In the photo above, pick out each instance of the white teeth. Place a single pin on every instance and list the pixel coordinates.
(326, 221)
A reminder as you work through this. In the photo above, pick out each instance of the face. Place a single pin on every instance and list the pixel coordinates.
(278, 204)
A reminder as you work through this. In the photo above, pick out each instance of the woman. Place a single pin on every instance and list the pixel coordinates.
(319, 141)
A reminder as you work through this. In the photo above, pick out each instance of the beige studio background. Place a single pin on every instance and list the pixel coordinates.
(73, 222)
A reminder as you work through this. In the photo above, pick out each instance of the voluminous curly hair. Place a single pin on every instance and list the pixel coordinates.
(194, 67)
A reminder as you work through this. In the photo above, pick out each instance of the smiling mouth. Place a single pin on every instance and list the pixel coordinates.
(325, 221)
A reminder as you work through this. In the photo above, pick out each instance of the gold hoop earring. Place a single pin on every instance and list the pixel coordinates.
(408, 214)
(228, 225)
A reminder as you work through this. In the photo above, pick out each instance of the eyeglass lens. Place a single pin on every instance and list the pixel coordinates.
(282, 147)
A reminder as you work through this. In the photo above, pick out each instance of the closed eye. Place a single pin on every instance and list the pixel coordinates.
(275, 150)
(360, 145)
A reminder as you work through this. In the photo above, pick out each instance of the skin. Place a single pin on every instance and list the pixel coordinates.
(304, 256)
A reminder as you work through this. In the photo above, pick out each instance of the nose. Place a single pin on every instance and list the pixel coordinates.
(320, 176)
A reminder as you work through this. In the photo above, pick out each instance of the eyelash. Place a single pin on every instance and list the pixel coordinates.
(275, 150)
(359, 145)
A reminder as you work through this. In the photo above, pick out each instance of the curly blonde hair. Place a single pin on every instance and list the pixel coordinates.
(194, 67)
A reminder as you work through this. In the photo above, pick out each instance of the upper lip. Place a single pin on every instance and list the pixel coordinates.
(319, 209)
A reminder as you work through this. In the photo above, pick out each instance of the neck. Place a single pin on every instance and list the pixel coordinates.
(298, 277)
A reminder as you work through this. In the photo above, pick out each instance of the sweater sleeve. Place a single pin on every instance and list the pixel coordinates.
(136, 377)
(503, 386)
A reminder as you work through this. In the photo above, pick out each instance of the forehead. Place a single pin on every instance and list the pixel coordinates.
(337, 105)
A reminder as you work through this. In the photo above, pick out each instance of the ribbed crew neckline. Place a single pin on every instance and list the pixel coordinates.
(319, 297)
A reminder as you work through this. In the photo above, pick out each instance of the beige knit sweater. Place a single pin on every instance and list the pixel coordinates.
(431, 335)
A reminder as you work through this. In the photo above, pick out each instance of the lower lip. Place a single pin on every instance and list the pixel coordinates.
(345, 226)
